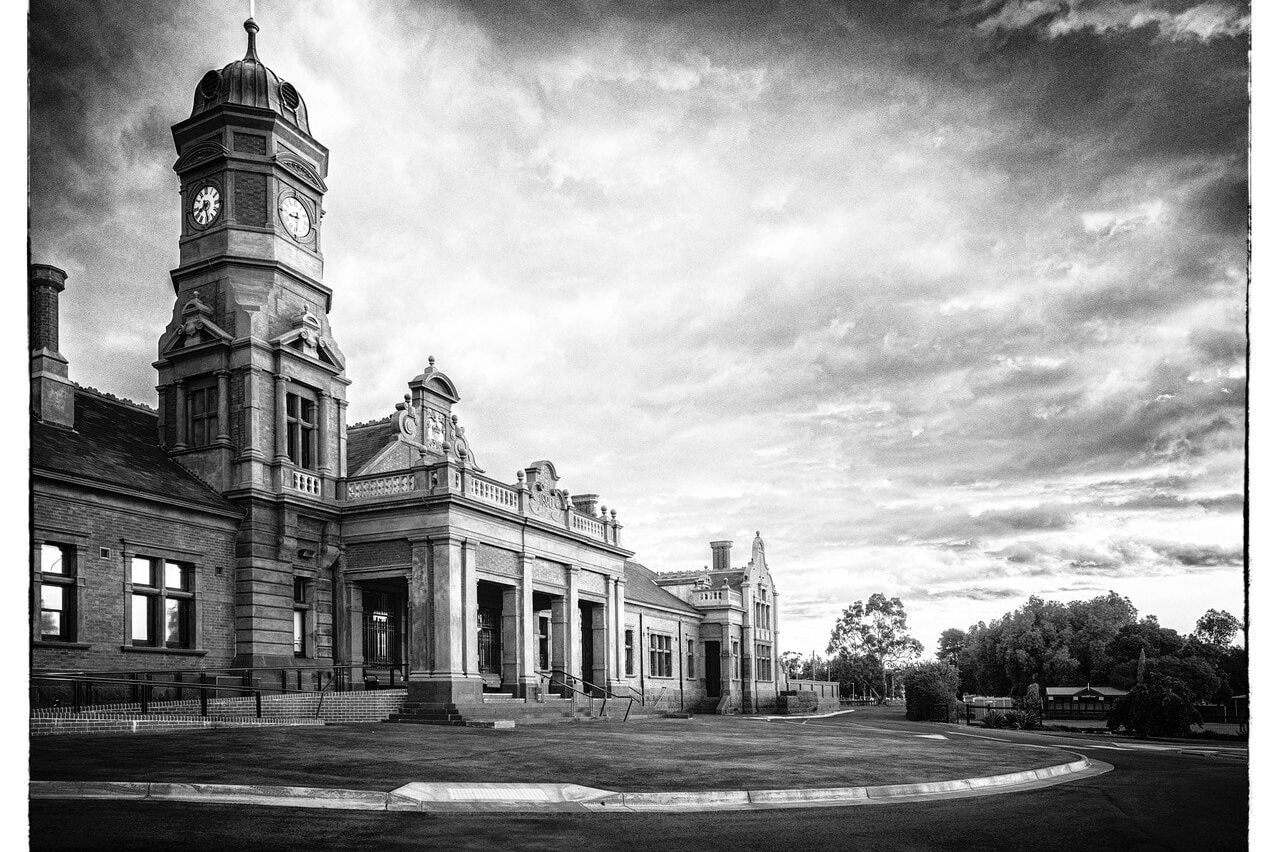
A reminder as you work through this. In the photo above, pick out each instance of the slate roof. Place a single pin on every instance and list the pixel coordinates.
(115, 443)
(366, 440)
(641, 589)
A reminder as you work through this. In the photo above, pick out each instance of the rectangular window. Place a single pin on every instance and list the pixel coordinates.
(162, 603)
(763, 661)
(690, 671)
(57, 593)
(736, 659)
(630, 653)
(301, 605)
(301, 424)
(660, 655)
(201, 413)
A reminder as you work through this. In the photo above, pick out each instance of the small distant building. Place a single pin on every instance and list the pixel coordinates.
(1080, 702)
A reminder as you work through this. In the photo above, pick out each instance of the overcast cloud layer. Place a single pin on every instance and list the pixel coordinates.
(945, 298)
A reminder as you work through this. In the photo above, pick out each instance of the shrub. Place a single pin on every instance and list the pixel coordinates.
(927, 686)
(1163, 707)
(1020, 720)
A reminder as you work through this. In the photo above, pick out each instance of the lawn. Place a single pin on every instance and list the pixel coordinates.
(702, 753)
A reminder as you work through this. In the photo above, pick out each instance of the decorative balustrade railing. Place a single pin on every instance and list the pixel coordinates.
(487, 491)
(307, 483)
(587, 525)
(471, 485)
(361, 489)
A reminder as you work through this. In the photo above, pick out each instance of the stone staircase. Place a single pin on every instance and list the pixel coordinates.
(493, 711)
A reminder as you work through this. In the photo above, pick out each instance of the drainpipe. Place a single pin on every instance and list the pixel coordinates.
(682, 674)
(639, 649)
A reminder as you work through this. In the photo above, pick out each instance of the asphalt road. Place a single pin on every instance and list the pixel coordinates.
(1159, 796)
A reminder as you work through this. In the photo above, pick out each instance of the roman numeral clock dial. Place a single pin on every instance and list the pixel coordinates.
(297, 221)
(207, 206)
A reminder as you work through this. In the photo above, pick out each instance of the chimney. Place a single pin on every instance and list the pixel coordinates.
(586, 503)
(52, 394)
(721, 556)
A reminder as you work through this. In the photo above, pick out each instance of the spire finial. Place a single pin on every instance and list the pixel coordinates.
(251, 27)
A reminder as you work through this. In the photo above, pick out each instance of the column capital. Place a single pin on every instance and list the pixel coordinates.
(323, 394)
(281, 379)
(222, 373)
(178, 383)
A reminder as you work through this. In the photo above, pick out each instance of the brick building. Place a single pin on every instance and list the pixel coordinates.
(244, 523)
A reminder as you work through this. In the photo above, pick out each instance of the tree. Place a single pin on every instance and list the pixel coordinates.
(950, 646)
(874, 631)
(1217, 627)
(928, 686)
(792, 664)
(1156, 641)
(1160, 708)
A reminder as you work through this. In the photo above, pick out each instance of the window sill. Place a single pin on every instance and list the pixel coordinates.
(53, 643)
(147, 649)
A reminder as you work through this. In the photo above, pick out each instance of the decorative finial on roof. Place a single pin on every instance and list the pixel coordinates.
(430, 362)
(251, 27)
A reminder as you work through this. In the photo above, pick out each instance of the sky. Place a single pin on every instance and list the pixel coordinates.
(946, 299)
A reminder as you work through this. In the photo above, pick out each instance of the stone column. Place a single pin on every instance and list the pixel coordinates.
(325, 434)
(420, 661)
(617, 643)
(445, 680)
(250, 446)
(470, 609)
(341, 437)
(510, 638)
(559, 642)
(179, 391)
(223, 406)
(572, 628)
(281, 419)
(600, 621)
(529, 680)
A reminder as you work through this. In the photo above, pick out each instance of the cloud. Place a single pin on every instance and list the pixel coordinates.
(931, 293)
(1055, 18)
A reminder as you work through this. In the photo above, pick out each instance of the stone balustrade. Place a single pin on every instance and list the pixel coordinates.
(307, 483)
(359, 489)
(473, 486)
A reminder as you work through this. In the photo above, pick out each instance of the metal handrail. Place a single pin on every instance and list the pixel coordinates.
(607, 693)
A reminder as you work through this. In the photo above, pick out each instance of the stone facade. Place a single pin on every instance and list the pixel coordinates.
(285, 538)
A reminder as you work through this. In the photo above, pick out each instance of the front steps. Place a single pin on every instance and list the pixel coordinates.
(493, 711)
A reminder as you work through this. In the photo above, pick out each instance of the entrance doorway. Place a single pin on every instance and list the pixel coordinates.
(489, 643)
(384, 632)
(714, 685)
(587, 620)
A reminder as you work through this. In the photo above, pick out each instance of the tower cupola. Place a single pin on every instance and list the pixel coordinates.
(248, 82)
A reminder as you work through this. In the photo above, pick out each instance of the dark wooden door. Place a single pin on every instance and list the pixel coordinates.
(713, 675)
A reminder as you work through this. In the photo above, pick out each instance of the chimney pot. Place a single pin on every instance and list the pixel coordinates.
(721, 555)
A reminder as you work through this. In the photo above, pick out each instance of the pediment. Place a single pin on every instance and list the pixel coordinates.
(201, 152)
(302, 170)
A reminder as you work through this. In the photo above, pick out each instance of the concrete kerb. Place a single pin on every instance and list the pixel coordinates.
(471, 797)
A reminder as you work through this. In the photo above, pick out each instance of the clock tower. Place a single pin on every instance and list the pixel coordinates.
(251, 382)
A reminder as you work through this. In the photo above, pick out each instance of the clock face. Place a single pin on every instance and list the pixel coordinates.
(207, 205)
(296, 220)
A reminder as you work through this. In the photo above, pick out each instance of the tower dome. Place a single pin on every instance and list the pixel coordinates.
(247, 82)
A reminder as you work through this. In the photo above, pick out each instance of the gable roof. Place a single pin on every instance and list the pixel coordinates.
(114, 443)
(365, 440)
(1078, 690)
(641, 589)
